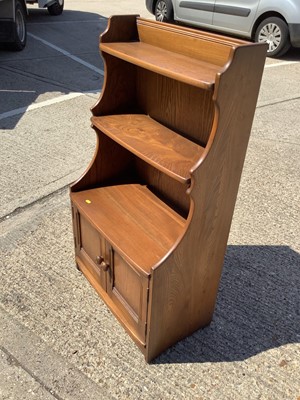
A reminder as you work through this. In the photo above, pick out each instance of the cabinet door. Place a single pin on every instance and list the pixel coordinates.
(129, 291)
(91, 250)
(123, 288)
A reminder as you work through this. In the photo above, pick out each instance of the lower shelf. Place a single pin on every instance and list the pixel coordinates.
(138, 225)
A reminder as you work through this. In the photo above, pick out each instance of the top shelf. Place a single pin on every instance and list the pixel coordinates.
(173, 65)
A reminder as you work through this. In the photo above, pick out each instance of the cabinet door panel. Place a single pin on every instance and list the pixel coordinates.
(128, 289)
(92, 248)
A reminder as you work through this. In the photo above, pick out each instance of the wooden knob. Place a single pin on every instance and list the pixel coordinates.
(99, 259)
(104, 266)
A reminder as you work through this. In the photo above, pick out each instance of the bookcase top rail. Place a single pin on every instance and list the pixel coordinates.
(208, 47)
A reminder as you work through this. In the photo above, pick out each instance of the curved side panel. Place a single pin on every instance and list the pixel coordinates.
(86, 177)
(184, 288)
(120, 28)
(119, 87)
(119, 81)
(111, 163)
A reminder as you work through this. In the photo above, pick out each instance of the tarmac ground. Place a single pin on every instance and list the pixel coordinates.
(58, 339)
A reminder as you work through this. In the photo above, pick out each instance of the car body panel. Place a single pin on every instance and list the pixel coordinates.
(7, 17)
(8, 20)
(236, 17)
(194, 10)
(7, 9)
(41, 3)
(289, 9)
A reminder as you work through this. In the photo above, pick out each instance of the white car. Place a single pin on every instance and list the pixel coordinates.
(276, 22)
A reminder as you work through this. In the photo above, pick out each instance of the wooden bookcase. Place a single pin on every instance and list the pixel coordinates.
(152, 212)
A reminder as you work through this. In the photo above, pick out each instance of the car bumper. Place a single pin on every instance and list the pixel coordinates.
(295, 34)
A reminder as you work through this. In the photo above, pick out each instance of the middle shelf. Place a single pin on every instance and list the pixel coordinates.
(139, 226)
(159, 146)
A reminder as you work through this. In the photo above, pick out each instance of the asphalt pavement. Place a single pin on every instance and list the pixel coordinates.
(58, 339)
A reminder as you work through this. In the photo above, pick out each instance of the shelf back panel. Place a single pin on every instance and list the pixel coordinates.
(183, 108)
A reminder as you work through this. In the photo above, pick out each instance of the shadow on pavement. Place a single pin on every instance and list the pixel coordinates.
(258, 308)
(45, 68)
(292, 55)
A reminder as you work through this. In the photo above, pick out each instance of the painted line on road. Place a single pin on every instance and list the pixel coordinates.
(46, 103)
(100, 71)
(16, 91)
(73, 95)
(280, 64)
(67, 54)
(88, 21)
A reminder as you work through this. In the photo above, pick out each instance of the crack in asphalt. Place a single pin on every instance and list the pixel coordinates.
(42, 199)
(12, 360)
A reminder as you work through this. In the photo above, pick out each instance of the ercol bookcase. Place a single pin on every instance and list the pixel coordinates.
(152, 212)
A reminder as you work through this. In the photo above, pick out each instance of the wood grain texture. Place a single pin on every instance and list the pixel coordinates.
(129, 291)
(91, 247)
(137, 224)
(173, 65)
(119, 88)
(208, 47)
(171, 191)
(111, 163)
(179, 146)
(183, 108)
(120, 28)
(125, 319)
(152, 142)
(189, 292)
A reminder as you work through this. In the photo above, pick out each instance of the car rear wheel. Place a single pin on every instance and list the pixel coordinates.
(56, 8)
(20, 31)
(163, 11)
(275, 32)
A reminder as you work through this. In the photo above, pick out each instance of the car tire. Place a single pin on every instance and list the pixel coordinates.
(20, 30)
(164, 11)
(56, 8)
(275, 32)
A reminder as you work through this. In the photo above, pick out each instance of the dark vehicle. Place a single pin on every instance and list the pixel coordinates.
(13, 23)
(13, 15)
